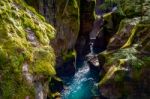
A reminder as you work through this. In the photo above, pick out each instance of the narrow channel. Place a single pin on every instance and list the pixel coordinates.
(81, 85)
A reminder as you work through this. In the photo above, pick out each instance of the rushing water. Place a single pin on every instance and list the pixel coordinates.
(81, 86)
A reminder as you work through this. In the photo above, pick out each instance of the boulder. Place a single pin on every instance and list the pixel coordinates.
(93, 62)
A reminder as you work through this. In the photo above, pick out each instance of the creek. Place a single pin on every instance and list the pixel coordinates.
(81, 85)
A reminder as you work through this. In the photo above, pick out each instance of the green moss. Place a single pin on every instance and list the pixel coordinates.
(15, 48)
(115, 62)
(130, 39)
(108, 75)
(118, 59)
(41, 62)
(68, 14)
(118, 78)
(69, 55)
(55, 94)
(10, 85)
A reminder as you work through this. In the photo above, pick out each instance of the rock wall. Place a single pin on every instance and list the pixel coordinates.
(127, 58)
(87, 17)
(64, 16)
(126, 69)
(26, 57)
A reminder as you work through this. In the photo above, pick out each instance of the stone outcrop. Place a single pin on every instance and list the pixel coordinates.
(127, 61)
(64, 16)
(127, 27)
(26, 57)
(127, 57)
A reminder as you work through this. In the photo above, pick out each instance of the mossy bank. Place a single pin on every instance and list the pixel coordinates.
(26, 58)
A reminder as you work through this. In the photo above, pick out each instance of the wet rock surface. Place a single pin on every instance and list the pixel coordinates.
(93, 62)
(87, 18)
(67, 69)
(56, 85)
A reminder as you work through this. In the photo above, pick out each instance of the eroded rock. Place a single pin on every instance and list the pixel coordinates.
(124, 67)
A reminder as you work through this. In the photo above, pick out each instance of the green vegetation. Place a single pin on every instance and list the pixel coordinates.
(129, 56)
(69, 55)
(118, 60)
(18, 21)
(25, 38)
(68, 14)
(128, 8)
(130, 39)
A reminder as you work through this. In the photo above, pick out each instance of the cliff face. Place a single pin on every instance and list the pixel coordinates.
(127, 58)
(64, 16)
(87, 17)
(26, 58)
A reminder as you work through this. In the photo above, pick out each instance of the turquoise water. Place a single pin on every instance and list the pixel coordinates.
(81, 85)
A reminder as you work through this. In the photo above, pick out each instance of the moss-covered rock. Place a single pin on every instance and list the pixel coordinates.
(124, 35)
(124, 80)
(67, 25)
(64, 15)
(127, 65)
(25, 53)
